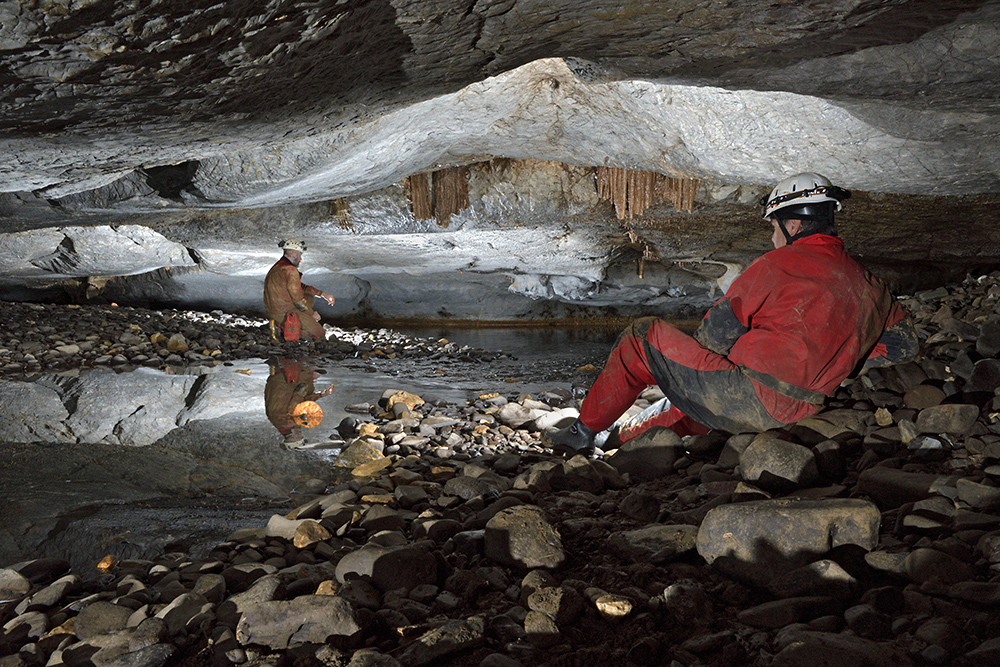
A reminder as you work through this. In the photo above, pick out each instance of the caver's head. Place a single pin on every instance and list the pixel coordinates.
(802, 205)
(293, 250)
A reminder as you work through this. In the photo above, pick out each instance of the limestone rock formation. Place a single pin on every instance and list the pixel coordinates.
(177, 145)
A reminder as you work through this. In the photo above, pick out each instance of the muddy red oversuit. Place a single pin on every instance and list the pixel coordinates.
(800, 320)
(283, 289)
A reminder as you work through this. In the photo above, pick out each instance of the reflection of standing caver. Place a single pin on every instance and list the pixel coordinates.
(287, 301)
(289, 385)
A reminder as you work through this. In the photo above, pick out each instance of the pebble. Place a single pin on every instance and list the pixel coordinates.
(52, 337)
(457, 538)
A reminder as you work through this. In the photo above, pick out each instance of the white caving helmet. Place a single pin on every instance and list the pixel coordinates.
(293, 244)
(805, 195)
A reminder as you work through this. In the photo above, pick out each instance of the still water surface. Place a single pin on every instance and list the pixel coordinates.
(134, 463)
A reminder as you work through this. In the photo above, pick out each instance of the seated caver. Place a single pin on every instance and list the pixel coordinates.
(799, 321)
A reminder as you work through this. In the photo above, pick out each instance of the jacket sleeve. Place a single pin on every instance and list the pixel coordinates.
(897, 344)
(720, 328)
(732, 315)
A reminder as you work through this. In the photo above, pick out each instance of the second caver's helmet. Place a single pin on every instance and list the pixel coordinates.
(293, 244)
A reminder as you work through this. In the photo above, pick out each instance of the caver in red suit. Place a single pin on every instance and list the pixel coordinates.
(798, 322)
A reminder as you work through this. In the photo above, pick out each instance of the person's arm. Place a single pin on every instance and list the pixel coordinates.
(732, 315)
(720, 328)
(312, 291)
(898, 343)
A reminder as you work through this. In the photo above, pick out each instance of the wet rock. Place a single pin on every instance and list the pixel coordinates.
(868, 622)
(50, 595)
(986, 654)
(988, 342)
(390, 567)
(576, 474)
(820, 578)
(100, 618)
(687, 604)
(985, 376)
(803, 648)
(556, 419)
(13, 585)
(947, 418)
(655, 544)
(308, 533)
(448, 640)
(978, 496)
(986, 593)
(315, 619)
(521, 536)
(516, 415)
(541, 630)
(30, 625)
(923, 565)
(156, 655)
(890, 487)
(649, 455)
(614, 607)
(941, 632)
(562, 604)
(780, 613)
(777, 465)
(759, 539)
(360, 451)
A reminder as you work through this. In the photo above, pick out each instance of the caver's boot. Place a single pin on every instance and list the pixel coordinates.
(574, 439)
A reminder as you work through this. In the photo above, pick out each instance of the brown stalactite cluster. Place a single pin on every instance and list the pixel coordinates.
(418, 190)
(633, 190)
(450, 194)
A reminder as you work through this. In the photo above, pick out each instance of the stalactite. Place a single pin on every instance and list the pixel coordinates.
(680, 192)
(632, 191)
(451, 193)
(641, 185)
(340, 209)
(418, 190)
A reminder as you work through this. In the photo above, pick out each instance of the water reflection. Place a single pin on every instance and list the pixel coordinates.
(290, 399)
(98, 461)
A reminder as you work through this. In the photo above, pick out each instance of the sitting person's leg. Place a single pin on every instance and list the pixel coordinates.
(701, 385)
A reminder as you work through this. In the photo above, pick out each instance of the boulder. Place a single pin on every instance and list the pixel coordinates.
(758, 540)
(450, 638)
(656, 544)
(777, 465)
(100, 617)
(312, 619)
(403, 566)
(890, 487)
(947, 418)
(521, 536)
(649, 455)
(805, 648)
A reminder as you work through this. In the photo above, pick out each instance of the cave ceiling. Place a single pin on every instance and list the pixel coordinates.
(223, 125)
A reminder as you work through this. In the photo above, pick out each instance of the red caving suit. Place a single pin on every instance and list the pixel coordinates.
(799, 321)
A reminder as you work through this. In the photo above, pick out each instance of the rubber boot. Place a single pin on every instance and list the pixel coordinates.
(574, 439)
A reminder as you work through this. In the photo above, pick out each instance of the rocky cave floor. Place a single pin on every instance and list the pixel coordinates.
(866, 535)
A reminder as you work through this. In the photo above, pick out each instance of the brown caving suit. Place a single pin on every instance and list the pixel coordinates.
(283, 288)
(289, 384)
